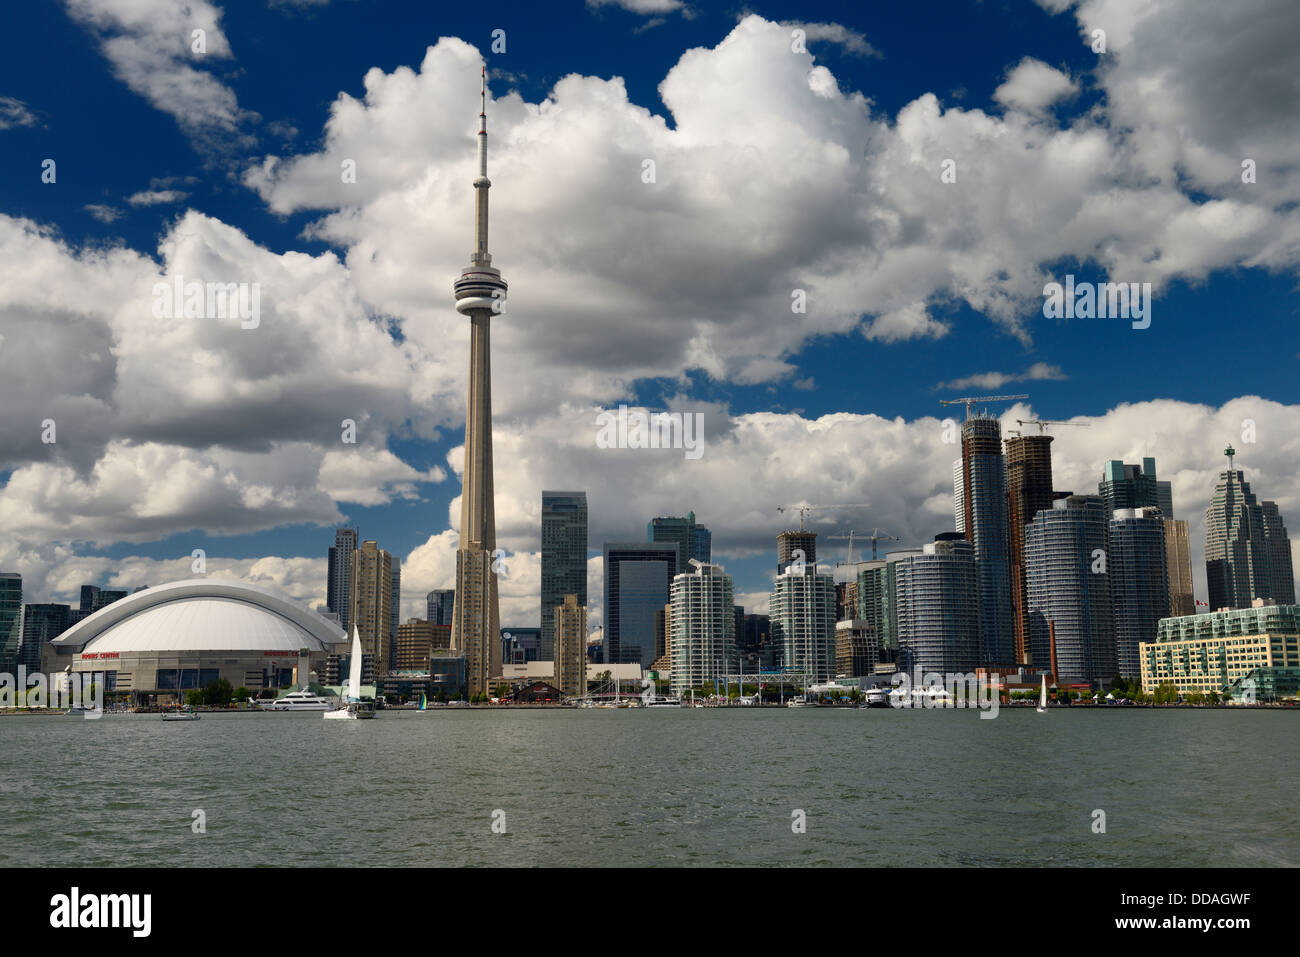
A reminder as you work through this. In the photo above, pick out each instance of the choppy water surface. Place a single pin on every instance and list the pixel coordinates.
(654, 787)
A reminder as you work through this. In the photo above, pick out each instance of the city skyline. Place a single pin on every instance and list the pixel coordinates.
(142, 476)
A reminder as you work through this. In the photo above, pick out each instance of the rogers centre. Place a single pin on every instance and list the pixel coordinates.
(154, 645)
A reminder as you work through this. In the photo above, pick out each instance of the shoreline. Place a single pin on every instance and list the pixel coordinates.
(59, 712)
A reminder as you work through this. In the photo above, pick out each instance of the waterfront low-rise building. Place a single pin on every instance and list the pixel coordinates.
(1222, 650)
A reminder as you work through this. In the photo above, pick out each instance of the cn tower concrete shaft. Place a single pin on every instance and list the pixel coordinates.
(480, 293)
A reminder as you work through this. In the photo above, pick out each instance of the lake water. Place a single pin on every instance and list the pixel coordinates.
(654, 787)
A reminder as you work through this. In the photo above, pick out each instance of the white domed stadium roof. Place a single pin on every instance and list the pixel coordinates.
(202, 614)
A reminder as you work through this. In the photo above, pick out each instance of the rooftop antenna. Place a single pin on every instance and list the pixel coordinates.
(1230, 452)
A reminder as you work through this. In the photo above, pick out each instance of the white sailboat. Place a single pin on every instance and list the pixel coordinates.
(353, 707)
(1042, 696)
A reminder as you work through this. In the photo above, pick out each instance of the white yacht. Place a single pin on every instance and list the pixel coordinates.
(875, 698)
(297, 701)
(663, 701)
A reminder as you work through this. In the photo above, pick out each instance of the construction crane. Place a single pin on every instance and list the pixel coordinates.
(1041, 423)
(967, 400)
(805, 509)
(874, 537)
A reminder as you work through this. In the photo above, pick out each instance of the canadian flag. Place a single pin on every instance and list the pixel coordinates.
(1205, 603)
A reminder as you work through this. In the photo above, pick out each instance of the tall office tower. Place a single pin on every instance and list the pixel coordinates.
(372, 581)
(1165, 498)
(41, 625)
(11, 621)
(394, 609)
(1130, 486)
(787, 543)
(802, 619)
(856, 648)
(693, 541)
(1139, 582)
(480, 291)
(1279, 554)
(440, 602)
(570, 632)
(938, 600)
(959, 496)
(1178, 561)
(1239, 548)
(984, 498)
(754, 640)
(564, 558)
(1029, 491)
(1069, 589)
(638, 580)
(704, 627)
(338, 589)
(93, 598)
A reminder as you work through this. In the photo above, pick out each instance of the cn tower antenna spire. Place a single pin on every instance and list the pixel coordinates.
(480, 256)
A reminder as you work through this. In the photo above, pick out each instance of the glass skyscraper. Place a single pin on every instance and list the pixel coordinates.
(1247, 551)
(1029, 491)
(1069, 590)
(394, 608)
(338, 588)
(1279, 554)
(11, 620)
(878, 601)
(1139, 582)
(439, 605)
(638, 577)
(1131, 486)
(564, 559)
(984, 523)
(938, 607)
(692, 540)
(41, 624)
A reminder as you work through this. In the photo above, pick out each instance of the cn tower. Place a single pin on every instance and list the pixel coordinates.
(480, 291)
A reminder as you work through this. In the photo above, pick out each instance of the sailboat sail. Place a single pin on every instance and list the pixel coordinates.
(354, 672)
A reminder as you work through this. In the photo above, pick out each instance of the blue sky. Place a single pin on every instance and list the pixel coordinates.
(1221, 347)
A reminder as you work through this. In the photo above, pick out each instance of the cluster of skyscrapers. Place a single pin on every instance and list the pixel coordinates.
(1083, 586)
(364, 590)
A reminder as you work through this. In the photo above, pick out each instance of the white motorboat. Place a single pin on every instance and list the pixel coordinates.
(875, 698)
(189, 714)
(663, 701)
(297, 701)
